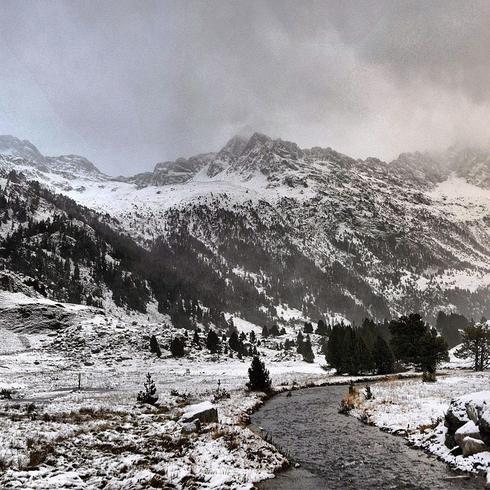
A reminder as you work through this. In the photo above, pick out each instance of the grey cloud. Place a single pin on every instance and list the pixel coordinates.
(130, 83)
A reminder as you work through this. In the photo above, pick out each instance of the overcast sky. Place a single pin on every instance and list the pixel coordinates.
(131, 83)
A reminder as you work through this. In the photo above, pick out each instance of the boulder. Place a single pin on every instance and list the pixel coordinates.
(463, 409)
(477, 404)
(454, 419)
(205, 412)
(484, 424)
(189, 427)
(467, 430)
(472, 446)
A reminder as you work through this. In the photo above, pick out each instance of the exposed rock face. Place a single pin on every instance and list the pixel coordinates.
(10, 145)
(24, 153)
(312, 228)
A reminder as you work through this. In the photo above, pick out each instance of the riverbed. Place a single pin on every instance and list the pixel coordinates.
(335, 451)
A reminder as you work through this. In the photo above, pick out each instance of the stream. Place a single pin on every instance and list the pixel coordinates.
(336, 451)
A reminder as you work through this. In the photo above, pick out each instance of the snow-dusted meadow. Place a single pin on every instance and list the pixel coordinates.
(416, 410)
(55, 435)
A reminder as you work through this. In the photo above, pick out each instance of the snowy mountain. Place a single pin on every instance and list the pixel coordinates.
(279, 227)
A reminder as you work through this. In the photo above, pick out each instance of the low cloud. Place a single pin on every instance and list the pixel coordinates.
(131, 83)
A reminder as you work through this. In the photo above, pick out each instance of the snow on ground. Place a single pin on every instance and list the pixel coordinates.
(463, 200)
(51, 433)
(416, 410)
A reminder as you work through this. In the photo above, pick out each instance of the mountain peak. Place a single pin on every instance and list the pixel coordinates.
(13, 146)
(235, 146)
(72, 163)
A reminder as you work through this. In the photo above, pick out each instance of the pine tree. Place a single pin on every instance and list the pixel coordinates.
(252, 337)
(212, 342)
(362, 359)
(308, 327)
(384, 361)
(476, 344)
(149, 395)
(334, 355)
(299, 343)
(307, 351)
(348, 364)
(413, 341)
(258, 375)
(406, 333)
(155, 346)
(177, 347)
(234, 341)
(196, 340)
(433, 350)
(322, 328)
(265, 332)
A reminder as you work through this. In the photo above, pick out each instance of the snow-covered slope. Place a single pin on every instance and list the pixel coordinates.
(312, 228)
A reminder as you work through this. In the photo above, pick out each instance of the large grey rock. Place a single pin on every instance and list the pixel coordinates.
(467, 430)
(462, 410)
(484, 424)
(472, 446)
(205, 412)
(454, 419)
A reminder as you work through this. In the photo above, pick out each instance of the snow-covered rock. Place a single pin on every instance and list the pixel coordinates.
(471, 446)
(205, 412)
(467, 430)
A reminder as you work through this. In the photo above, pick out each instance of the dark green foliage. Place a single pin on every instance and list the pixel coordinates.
(258, 375)
(265, 332)
(307, 351)
(236, 344)
(212, 342)
(149, 394)
(406, 333)
(177, 346)
(449, 326)
(322, 328)
(476, 345)
(196, 340)
(357, 350)
(299, 343)
(155, 346)
(384, 361)
(334, 348)
(308, 328)
(433, 351)
(415, 342)
(252, 337)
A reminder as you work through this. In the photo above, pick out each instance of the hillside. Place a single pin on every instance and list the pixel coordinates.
(264, 226)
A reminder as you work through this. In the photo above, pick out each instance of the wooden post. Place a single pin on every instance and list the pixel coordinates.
(79, 381)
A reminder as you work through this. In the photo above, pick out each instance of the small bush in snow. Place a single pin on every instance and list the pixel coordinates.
(149, 395)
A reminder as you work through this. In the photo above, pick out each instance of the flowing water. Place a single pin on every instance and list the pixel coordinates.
(336, 451)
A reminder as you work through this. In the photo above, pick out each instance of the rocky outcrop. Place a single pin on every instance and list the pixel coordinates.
(468, 423)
